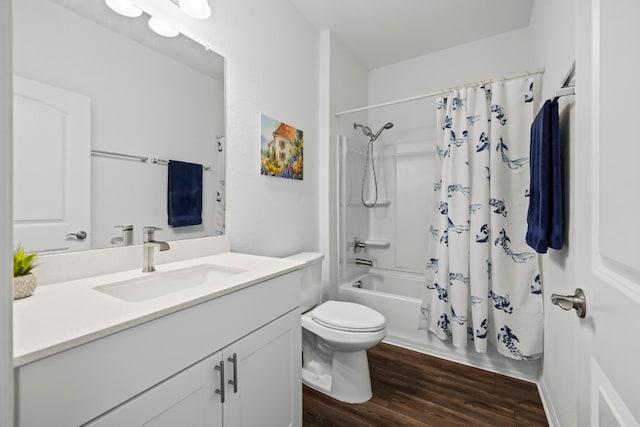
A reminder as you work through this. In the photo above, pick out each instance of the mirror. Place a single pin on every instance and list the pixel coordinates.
(100, 104)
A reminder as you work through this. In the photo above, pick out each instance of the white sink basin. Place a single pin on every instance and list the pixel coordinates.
(159, 283)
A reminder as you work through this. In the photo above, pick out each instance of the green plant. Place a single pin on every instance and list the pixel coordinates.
(23, 262)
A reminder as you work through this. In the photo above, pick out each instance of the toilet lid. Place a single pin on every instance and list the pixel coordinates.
(348, 316)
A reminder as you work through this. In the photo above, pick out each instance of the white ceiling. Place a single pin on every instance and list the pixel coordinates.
(382, 32)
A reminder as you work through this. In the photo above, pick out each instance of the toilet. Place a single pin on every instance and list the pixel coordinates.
(335, 338)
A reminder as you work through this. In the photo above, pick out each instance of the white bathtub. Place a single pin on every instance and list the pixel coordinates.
(398, 297)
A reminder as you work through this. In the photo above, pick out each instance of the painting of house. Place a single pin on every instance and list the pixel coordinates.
(281, 149)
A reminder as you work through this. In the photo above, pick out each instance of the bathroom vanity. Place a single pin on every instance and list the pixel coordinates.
(223, 352)
(210, 338)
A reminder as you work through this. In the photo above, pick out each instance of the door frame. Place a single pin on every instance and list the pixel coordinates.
(6, 216)
(584, 167)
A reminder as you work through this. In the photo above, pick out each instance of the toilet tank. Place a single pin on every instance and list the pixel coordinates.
(311, 282)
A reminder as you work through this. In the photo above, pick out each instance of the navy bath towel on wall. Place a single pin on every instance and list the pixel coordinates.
(184, 198)
(545, 217)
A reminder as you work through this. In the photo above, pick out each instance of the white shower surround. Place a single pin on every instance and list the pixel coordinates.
(398, 296)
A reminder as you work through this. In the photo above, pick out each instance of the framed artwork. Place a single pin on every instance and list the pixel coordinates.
(281, 149)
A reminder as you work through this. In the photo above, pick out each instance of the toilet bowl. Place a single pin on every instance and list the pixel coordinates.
(334, 358)
(335, 339)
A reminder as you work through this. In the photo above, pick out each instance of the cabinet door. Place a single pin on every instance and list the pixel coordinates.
(187, 399)
(269, 387)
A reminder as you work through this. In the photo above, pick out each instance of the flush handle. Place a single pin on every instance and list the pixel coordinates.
(234, 381)
(220, 390)
(576, 301)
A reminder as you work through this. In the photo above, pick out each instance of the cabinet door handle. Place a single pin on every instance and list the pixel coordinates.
(220, 390)
(234, 381)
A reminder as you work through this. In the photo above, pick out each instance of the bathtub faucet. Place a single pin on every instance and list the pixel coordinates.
(360, 261)
(358, 244)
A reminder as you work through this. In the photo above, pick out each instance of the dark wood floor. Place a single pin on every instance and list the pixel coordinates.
(413, 389)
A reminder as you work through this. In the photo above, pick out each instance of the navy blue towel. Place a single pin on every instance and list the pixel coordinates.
(545, 217)
(184, 194)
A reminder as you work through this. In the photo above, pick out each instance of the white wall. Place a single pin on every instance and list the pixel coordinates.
(272, 68)
(143, 102)
(6, 220)
(552, 45)
(271, 56)
(406, 153)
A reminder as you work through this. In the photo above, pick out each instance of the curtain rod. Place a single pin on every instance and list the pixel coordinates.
(440, 92)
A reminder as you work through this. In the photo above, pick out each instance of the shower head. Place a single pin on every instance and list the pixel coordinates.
(387, 126)
(368, 132)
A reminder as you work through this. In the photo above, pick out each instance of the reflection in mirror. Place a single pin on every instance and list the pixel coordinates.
(89, 82)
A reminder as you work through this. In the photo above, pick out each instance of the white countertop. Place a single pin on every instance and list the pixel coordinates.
(64, 315)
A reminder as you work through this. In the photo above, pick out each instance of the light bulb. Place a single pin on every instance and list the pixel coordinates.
(198, 9)
(124, 7)
(162, 28)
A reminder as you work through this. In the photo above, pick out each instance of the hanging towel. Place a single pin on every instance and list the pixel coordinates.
(544, 219)
(184, 194)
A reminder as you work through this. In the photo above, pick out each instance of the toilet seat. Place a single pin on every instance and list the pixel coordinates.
(348, 317)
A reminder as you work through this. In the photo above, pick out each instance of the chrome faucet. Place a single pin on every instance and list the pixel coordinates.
(127, 235)
(368, 262)
(149, 246)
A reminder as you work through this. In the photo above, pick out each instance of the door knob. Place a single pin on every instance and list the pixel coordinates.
(80, 235)
(576, 301)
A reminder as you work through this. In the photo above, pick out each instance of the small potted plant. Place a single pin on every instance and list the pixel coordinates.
(24, 281)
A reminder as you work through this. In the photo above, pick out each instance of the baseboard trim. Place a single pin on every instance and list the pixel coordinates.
(547, 404)
(468, 360)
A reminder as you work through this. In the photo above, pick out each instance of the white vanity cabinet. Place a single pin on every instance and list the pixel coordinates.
(269, 387)
(186, 399)
(168, 372)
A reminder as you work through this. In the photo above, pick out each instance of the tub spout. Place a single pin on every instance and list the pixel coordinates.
(367, 262)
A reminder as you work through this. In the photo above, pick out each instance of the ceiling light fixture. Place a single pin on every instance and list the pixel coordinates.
(162, 28)
(198, 9)
(124, 7)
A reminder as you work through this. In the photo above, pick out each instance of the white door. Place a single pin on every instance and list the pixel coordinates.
(268, 384)
(608, 206)
(188, 399)
(52, 168)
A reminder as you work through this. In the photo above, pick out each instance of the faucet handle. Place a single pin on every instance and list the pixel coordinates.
(127, 235)
(148, 232)
(358, 244)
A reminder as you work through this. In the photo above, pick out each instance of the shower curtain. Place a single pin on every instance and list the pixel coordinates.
(482, 280)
